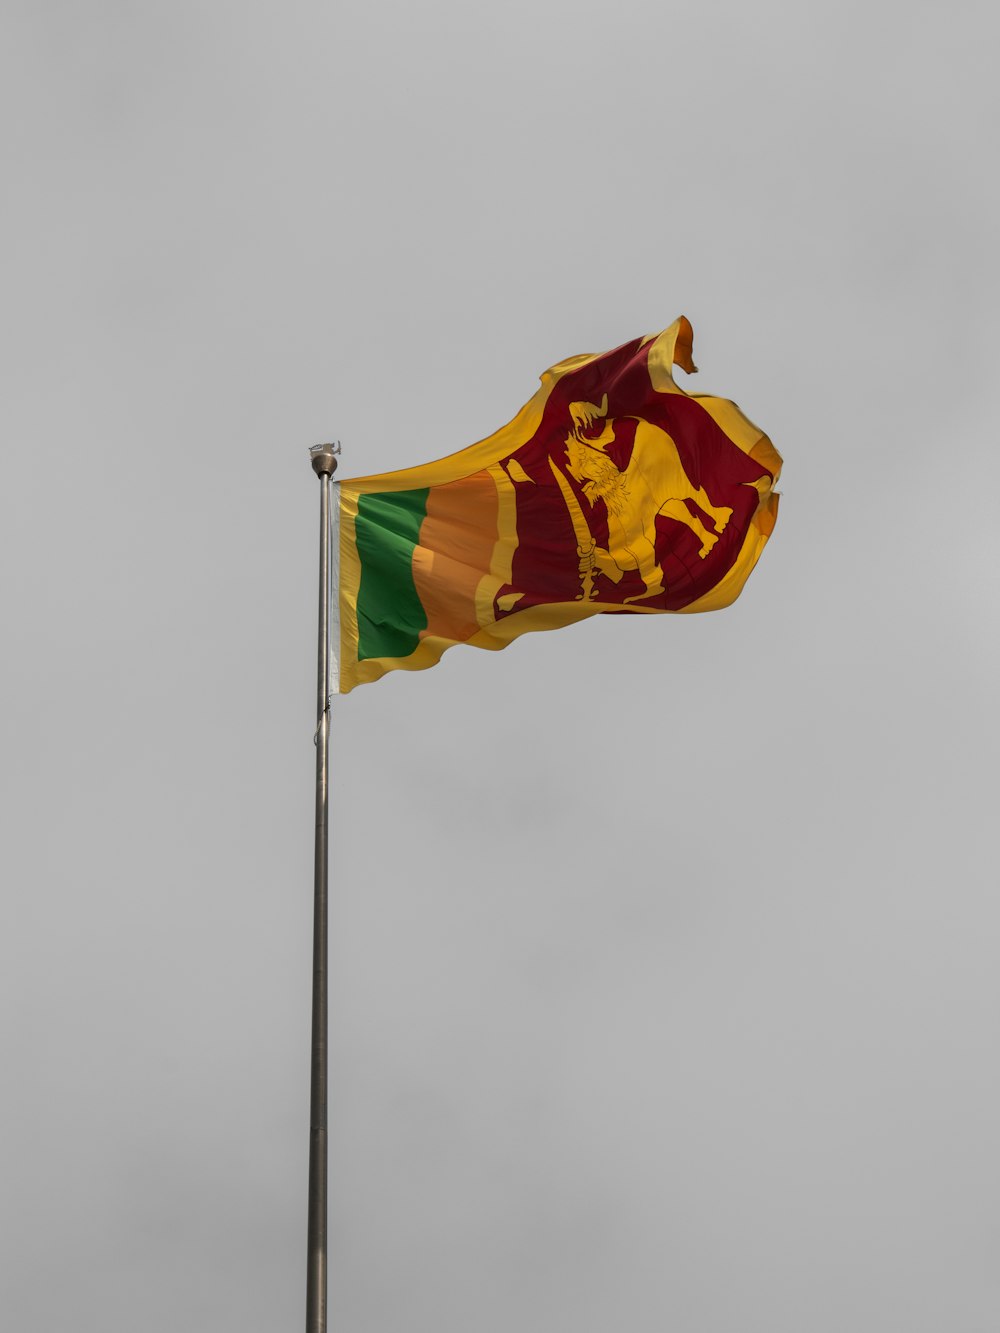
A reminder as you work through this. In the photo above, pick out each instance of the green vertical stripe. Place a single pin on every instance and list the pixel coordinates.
(390, 615)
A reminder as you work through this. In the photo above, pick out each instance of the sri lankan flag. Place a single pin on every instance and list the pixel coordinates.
(611, 490)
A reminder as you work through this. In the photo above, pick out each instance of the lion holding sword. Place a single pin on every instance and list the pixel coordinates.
(653, 483)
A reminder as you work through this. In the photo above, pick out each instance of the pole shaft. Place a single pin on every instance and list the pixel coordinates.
(316, 1271)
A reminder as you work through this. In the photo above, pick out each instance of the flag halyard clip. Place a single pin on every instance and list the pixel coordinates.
(326, 713)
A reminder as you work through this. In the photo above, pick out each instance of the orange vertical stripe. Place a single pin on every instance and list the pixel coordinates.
(453, 555)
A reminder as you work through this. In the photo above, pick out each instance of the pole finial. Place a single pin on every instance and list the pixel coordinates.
(324, 458)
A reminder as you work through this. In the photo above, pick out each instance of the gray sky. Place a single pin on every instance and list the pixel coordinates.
(665, 949)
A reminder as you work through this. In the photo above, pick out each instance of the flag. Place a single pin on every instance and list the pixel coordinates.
(612, 490)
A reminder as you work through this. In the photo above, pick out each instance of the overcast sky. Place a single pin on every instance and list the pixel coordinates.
(665, 949)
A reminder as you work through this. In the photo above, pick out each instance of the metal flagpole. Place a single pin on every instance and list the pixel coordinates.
(324, 464)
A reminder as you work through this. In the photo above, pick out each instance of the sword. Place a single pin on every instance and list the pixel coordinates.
(585, 543)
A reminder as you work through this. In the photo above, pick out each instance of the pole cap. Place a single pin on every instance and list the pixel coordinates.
(324, 458)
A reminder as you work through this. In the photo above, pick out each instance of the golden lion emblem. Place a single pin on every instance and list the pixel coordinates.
(653, 483)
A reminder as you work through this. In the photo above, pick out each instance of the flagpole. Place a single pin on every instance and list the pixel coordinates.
(324, 464)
